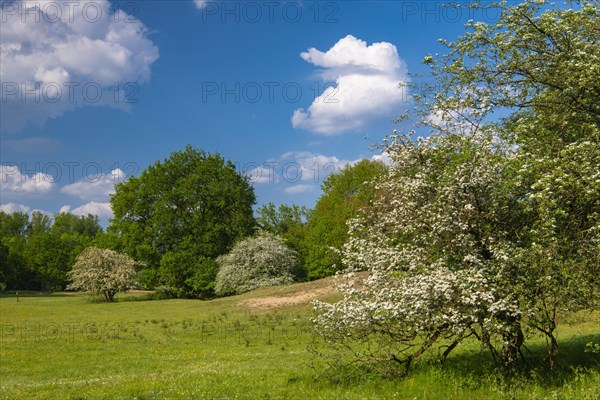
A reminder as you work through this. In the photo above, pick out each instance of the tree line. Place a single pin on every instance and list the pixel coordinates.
(37, 251)
(176, 219)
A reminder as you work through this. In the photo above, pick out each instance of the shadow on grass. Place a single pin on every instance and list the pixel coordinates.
(472, 369)
(572, 361)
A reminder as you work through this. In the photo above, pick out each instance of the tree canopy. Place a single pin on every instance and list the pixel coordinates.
(180, 214)
(40, 250)
(344, 193)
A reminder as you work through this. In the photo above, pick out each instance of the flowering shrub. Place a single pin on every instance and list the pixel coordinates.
(437, 256)
(102, 271)
(262, 260)
(484, 230)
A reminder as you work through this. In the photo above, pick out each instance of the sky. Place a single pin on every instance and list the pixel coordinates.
(92, 92)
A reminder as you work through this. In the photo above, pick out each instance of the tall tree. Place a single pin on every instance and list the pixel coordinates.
(344, 193)
(14, 224)
(180, 214)
(39, 224)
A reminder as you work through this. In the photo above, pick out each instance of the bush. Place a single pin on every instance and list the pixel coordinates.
(103, 272)
(262, 260)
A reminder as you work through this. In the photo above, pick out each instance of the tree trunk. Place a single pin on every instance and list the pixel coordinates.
(510, 351)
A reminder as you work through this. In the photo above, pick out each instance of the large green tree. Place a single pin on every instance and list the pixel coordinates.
(344, 193)
(180, 214)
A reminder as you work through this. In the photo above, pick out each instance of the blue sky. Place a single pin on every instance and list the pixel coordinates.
(289, 91)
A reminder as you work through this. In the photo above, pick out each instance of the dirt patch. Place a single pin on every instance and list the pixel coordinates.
(298, 298)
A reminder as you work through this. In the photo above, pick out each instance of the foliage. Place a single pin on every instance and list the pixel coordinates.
(279, 220)
(40, 250)
(181, 214)
(344, 193)
(262, 260)
(485, 230)
(291, 224)
(103, 271)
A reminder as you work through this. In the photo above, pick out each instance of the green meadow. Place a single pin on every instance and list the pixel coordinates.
(67, 346)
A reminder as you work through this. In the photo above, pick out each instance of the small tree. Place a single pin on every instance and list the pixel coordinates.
(103, 271)
(262, 260)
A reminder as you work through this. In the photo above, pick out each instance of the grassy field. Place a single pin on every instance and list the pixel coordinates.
(62, 346)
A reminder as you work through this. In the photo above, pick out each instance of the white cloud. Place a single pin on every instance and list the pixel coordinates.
(95, 188)
(296, 166)
(301, 167)
(260, 175)
(297, 189)
(367, 87)
(56, 54)
(10, 208)
(383, 157)
(94, 208)
(200, 4)
(307, 166)
(65, 209)
(14, 182)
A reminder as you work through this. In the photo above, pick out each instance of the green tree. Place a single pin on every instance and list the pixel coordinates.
(344, 193)
(14, 224)
(189, 208)
(279, 220)
(39, 224)
(72, 224)
(13, 228)
(540, 62)
(291, 224)
(41, 250)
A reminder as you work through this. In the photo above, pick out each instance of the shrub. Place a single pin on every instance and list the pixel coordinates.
(103, 271)
(262, 260)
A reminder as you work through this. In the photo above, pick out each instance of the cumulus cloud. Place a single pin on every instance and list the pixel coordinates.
(383, 157)
(295, 166)
(10, 208)
(367, 87)
(94, 208)
(58, 56)
(297, 189)
(260, 175)
(308, 166)
(96, 188)
(14, 182)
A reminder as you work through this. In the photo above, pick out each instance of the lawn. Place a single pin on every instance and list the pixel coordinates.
(62, 346)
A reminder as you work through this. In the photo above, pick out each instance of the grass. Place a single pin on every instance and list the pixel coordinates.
(64, 346)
